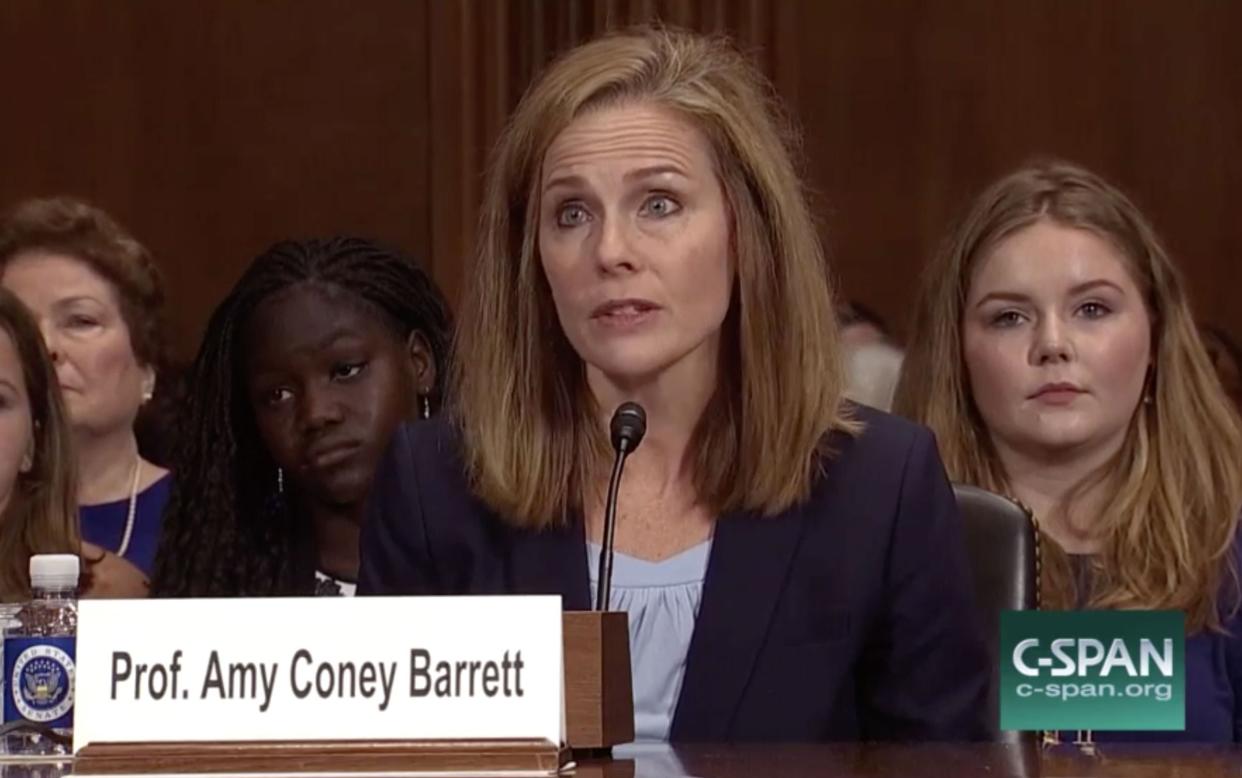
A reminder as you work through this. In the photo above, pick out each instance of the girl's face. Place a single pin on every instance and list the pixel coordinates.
(328, 381)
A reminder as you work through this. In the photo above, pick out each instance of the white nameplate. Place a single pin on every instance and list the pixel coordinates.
(367, 668)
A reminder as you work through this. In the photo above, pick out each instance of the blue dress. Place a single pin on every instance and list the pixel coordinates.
(104, 524)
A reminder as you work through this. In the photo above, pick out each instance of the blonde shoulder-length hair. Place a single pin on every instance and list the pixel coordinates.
(1176, 485)
(532, 438)
(42, 514)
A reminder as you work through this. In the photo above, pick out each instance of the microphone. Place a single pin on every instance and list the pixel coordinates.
(629, 424)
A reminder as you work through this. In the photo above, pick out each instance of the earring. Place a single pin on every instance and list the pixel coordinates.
(280, 480)
(426, 406)
(27, 463)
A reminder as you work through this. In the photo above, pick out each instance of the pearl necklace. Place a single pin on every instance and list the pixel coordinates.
(133, 509)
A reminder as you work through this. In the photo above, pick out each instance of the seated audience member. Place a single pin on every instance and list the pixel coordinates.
(1058, 362)
(861, 325)
(872, 371)
(38, 510)
(317, 354)
(793, 566)
(98, 298)
(1226, 360)
(872, 359)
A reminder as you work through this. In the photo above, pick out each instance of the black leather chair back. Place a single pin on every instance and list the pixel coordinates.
(1003, 548)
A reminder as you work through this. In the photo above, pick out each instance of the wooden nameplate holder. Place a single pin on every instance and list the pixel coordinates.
(599, 694)
(599, 713)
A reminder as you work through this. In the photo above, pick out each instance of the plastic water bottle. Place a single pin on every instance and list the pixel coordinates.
(39, 652)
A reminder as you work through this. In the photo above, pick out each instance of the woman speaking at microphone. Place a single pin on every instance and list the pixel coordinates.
(793, 566)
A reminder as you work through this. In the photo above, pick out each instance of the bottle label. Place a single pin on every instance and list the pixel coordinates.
(39, 672)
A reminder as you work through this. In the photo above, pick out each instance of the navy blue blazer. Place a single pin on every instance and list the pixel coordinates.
(850, 617)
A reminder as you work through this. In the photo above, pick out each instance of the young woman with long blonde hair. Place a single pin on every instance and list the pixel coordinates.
(1058, 362)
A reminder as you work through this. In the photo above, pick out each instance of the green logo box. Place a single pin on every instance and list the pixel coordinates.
(1107, 670)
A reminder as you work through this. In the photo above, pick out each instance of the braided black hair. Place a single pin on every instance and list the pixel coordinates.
(227, 532)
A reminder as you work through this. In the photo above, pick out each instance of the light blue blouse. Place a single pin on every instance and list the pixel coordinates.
(662, 600)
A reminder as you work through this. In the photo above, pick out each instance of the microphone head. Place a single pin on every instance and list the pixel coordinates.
(628, 426)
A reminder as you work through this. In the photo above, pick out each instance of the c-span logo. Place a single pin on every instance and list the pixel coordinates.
(42, 683)
(1105, 670)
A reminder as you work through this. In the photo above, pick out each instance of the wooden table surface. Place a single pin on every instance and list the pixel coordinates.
(911, 761)
(878, 761)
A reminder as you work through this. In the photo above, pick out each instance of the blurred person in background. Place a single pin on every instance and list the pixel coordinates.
(38, 479)
(872, 359)
(98, 298)
(1226, 358)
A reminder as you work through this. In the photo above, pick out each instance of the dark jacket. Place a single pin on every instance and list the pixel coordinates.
(849, 617)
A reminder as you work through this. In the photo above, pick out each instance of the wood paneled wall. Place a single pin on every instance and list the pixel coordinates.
(214, 127)
(911, 108)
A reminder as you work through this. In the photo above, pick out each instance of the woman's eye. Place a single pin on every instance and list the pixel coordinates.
(571, 215)
(81, 321)
(660, 205)
(346, 372)
(1094, 310)
(1006, 319)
